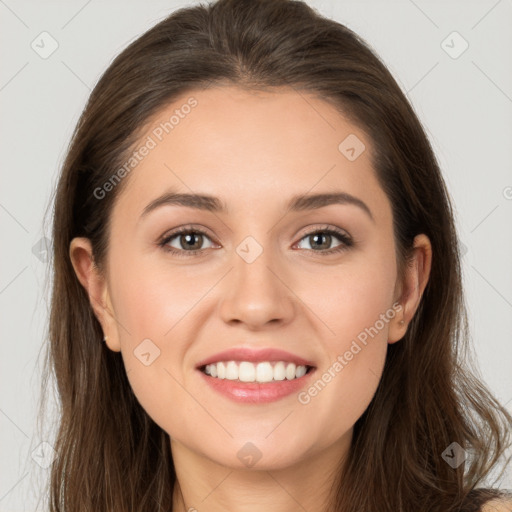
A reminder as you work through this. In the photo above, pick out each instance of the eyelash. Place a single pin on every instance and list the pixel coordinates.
(347, 242)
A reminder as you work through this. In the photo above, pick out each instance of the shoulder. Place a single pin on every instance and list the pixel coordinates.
(488, 500)
(498, 505)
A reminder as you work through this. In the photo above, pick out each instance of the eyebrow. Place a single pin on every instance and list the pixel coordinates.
(297, 203)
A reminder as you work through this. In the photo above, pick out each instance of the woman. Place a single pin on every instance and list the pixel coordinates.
(242, 367)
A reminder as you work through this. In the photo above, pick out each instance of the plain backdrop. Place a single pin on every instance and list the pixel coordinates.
(460, 85)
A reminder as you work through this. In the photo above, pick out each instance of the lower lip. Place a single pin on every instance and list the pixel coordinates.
(256, 392)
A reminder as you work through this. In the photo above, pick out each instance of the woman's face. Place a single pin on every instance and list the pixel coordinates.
(269, 272)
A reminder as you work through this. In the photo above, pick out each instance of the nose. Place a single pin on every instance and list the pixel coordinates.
(256, 293)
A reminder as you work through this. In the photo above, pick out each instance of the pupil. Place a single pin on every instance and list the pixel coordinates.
(315, 237)
(189, 237)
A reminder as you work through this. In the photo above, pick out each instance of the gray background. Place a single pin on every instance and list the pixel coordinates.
(464, 102)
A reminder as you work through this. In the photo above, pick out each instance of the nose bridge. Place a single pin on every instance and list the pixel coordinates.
(253, 260)
(255, 294)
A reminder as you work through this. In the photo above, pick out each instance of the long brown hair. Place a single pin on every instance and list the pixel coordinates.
(111, 455)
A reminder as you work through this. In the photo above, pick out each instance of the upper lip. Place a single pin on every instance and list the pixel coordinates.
(255, 356)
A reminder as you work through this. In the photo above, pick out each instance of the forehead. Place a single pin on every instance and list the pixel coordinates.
(250, 147)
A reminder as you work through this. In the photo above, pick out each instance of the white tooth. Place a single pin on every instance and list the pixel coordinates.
(290, 371)
(232, 371)
(300, 371)
(264, 372)
(246, 372)
(279, 371)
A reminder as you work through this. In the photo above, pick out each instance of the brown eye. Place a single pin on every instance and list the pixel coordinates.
(321, 240)
(184, 242)
(191, 240)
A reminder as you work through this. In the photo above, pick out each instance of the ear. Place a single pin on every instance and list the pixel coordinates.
(410, 291)
(96, 286)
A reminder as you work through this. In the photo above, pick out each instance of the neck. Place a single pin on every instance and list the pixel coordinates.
(202, 484)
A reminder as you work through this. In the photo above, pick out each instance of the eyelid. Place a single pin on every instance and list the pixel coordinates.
(185, 229)
(313, 228)
(346, 240)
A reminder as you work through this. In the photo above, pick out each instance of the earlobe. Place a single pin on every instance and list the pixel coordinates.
(95, 284)
(411, 290)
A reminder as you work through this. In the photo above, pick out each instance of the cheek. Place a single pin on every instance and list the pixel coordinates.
(351, 297)
(355, 303)
(151, 300)
(159, 308)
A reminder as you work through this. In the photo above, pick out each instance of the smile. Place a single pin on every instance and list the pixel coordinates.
(246, 371)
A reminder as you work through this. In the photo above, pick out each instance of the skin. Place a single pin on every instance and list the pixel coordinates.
(254, 151)
(502, 505)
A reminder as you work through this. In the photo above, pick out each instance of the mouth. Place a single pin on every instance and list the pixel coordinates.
(256, 382)
(259, 372)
